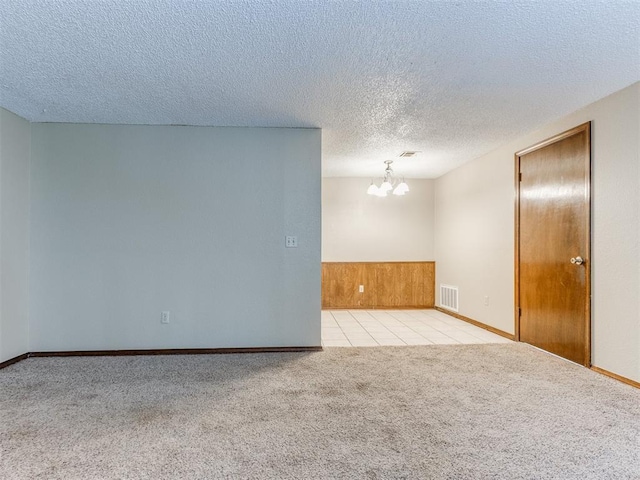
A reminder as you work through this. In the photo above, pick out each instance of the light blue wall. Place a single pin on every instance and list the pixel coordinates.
(130, 221)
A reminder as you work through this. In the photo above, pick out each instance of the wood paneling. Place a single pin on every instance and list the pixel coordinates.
(386, 284)
(340, 283)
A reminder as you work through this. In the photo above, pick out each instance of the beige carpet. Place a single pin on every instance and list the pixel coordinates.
(442, 412)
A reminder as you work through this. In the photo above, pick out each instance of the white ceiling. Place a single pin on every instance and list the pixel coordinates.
(452, 80)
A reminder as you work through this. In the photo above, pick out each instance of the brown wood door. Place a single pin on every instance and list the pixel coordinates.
(553, 245)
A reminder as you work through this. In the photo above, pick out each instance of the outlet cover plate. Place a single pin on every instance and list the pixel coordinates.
(291, 241)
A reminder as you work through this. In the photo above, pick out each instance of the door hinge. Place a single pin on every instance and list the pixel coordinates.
(519, 312)
(520, 176)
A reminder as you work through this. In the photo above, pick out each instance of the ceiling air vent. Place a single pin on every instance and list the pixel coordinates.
(408, 154)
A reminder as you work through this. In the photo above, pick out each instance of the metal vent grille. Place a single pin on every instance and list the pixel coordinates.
(408, 154)
(449, 297)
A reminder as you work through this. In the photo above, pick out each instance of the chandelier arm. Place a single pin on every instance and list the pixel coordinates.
(390, 182)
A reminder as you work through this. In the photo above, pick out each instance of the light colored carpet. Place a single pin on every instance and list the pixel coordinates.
(441, 412)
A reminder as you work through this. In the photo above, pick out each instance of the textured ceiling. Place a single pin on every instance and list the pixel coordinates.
(452, 80)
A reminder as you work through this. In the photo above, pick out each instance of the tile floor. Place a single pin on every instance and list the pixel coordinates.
(372, 328)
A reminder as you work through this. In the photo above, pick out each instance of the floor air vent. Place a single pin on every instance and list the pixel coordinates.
(449, 297)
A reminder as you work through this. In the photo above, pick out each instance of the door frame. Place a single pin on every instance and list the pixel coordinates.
(585, 127)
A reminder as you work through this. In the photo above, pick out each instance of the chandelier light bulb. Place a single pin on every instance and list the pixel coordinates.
(401, 189)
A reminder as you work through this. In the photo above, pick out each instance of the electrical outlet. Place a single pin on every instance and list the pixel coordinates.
(291, 241)
(164, 317)
(486, 300)
(361, 289)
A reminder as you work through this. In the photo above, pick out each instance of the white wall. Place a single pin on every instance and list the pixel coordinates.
(474, 238)
(475, 230)
(128, 221)
(15, 144)
(357, 227)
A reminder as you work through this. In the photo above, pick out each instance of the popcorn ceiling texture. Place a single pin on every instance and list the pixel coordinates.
(453, 80)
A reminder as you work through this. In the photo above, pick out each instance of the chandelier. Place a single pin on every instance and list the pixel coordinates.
(390, 183)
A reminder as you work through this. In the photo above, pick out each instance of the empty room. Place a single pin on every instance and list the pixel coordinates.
(293, 240)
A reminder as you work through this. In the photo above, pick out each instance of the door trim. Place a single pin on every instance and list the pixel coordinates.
(585, 127)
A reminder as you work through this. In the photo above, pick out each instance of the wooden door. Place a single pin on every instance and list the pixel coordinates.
(553, 245)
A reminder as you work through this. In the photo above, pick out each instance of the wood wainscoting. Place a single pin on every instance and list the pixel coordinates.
(386, 284)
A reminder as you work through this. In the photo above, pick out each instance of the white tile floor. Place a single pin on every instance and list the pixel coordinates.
(372, 328)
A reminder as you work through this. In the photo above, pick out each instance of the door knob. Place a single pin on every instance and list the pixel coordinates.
(577, 261)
